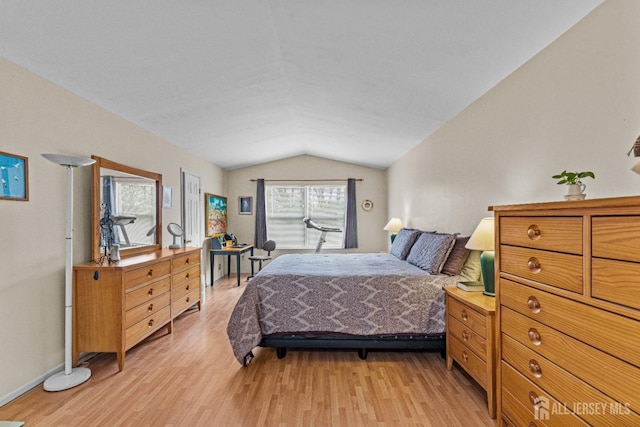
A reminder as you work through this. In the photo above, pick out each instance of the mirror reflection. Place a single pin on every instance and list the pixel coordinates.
(128, 205)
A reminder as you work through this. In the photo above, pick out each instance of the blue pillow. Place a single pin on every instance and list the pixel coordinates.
(403, 242)
(431, 250)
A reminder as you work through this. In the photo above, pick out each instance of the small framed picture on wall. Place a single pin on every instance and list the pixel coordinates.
(167, 196)
(14, 177)
(245, 205)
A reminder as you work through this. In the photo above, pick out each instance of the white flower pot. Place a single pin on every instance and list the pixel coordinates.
(575, 192)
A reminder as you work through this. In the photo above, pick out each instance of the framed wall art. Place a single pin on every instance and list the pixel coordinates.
(167, 196)
(245, 205)
(215, 214)
(14, 177)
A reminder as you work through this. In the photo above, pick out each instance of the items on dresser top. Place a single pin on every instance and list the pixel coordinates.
(568, 312)
(119, 305)
(176, 231)
(473, 286)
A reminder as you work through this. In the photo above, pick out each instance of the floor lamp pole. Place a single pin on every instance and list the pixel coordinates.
(70, 377)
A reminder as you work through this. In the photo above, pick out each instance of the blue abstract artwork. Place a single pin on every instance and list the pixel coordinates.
(13, 177)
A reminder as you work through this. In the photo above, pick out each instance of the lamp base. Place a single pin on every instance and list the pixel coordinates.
(62, 381)
(488, 272)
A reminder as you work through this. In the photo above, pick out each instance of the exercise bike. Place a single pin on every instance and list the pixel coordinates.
(323, 232)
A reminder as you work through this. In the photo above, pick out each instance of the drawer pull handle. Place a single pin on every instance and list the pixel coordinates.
(150, 309)
(187, 288)
(534, 265)
(187, 299)
(465, 336)
(150, 323)
(465, 356)
(465, 315)
(150, 293)
(533, 398)
(150, 273)
(533, 304)
(533, 232)
(534, 336)
(186, 261)
(187, 276)
(536, 370)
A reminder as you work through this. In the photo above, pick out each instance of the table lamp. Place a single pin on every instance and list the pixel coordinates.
(394, 225)
(483, 240)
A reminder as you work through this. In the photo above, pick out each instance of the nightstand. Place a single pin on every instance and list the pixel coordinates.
(471, 340)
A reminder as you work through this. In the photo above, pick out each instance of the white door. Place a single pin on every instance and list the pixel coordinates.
(191, 211)
(191, 219)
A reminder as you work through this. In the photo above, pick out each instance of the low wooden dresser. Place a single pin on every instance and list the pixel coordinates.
(568, 294)
(116, 306)
(471, 338)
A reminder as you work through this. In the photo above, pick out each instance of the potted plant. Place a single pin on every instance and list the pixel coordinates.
(573, 181)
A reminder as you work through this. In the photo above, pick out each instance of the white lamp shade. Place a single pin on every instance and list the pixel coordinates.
(68, 160)
(394, 225)
(483, 238)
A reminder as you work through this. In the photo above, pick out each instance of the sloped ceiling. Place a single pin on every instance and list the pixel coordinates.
(241, 82)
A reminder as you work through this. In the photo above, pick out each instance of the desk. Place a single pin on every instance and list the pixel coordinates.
(229, 252)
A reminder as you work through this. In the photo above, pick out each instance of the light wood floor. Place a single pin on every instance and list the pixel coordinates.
(190, 378)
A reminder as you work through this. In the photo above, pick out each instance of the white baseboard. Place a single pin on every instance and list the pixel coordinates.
(37, 381)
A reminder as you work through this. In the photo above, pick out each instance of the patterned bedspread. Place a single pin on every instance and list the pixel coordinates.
(355, 294)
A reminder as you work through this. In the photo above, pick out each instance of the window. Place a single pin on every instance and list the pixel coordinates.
(288, 205)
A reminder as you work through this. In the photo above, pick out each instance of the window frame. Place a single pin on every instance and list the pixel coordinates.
(311, 236)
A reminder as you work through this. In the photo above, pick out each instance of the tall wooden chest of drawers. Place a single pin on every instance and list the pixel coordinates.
(116, 306)
(568, 312)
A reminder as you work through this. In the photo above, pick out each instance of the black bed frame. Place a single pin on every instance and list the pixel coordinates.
(403, 342)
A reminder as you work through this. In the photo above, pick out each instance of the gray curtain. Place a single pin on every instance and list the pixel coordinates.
(350, 235)
(261, 215)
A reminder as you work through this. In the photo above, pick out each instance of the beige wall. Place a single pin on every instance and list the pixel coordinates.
(371, 237)
(574, 106)
(38, 117)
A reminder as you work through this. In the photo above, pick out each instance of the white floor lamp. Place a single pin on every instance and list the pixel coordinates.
(71, 377)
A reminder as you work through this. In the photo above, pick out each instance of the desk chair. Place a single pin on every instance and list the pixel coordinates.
(268, 246)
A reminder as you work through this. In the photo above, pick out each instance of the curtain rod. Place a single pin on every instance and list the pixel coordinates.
(304, 180)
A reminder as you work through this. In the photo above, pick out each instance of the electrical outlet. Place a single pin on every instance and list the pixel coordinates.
(219, 267)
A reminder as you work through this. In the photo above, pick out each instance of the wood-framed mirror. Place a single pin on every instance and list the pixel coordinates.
(131, 199)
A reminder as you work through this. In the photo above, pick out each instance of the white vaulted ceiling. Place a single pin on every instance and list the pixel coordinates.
(240, 82)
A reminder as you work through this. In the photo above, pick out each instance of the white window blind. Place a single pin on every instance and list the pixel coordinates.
(288, 205)
(137, 200)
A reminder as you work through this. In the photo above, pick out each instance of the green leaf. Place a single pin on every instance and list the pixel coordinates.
(587, 174)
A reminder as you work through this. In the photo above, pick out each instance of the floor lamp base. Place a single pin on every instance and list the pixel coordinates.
(62, 381)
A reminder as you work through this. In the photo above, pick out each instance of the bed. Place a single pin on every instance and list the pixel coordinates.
(354, 300)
